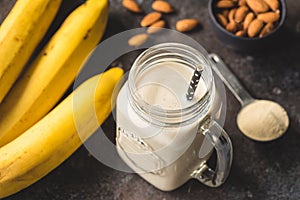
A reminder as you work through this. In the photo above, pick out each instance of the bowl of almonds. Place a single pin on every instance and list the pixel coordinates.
(247, 24)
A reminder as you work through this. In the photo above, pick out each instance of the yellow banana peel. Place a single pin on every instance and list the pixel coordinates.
(53, 71)
(54, 138)
(20, 33)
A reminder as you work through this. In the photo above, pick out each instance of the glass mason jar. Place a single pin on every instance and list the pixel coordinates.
(163, 136)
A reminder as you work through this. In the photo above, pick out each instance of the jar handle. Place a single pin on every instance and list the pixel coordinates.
(216, 135)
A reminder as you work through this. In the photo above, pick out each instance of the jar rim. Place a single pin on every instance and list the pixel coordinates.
(158, 115)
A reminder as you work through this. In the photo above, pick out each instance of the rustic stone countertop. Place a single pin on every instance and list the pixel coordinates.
(259, 171)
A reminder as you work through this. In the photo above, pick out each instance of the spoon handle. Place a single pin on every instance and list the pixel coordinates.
(230, 80)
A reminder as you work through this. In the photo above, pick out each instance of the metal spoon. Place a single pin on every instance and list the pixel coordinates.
(260, 120)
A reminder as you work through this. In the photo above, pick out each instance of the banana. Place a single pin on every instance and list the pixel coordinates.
(53, 71)
(54, 138)
(20, 33)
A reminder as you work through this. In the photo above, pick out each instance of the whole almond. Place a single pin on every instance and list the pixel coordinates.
(269, 17)
(150, 19)
(255, 27)
(156, 27)
(138, 40)
(225, 4)
(185, 25)
(222, 19)
(241, 13)
(248, 19)
(231, 14)
(162, 6)
(258, 6)
(240, 33)
(268, 28)
(225, 13)
(232, 26)
(273, 4)
(132, 6)
(242, 3)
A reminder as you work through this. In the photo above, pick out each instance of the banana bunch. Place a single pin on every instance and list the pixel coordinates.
(54, 138)
(50, 75)
(35, 137)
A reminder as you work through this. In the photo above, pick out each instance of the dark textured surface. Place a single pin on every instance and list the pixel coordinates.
(260, 170)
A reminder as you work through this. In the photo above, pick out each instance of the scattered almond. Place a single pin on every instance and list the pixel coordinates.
(162, 6)
(248, 19)
(138, 40)
(185, 25)
(150, 19)
(132, 6)
(273, 4)
(241, 13)
(225, 4)
(240, 33)
(258, 6)
(222, 19)
(266, 30)
(255, 27)
(269, 17)
(156, 27)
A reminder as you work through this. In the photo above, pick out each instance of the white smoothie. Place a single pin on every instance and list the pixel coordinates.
(156, 152)
(165, 85)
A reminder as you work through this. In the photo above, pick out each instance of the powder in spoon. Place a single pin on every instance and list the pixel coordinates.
(263, 120)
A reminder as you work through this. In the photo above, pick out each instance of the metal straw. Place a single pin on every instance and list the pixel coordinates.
(194, 83)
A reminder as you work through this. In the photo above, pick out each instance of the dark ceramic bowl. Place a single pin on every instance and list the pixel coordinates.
(246, 44)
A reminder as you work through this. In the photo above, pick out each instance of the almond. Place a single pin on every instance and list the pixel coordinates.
(273, 4)
(222, 19)
(232, 26)
(231, 14)
(225, 13)
(132, 6)
(185, 25)
(138, 40)
(248, 19)
(150, 19)
(162, 6)
(258, 6)
(266, 30)
(255, 27)
(269, 17)
(240, 13)
(240, 33)
(157, 26)
(242, 3)
(225, 4)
